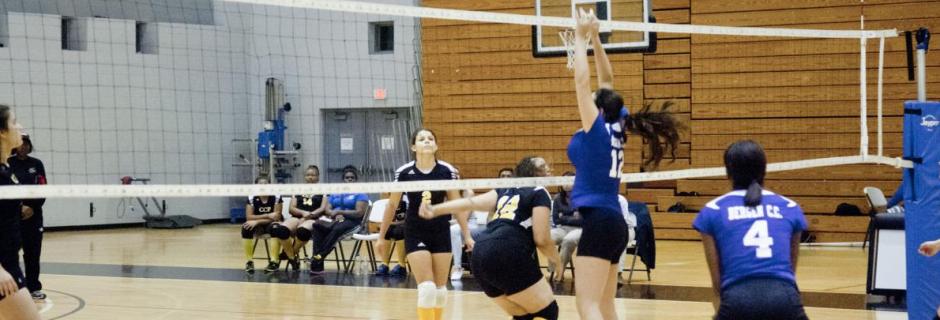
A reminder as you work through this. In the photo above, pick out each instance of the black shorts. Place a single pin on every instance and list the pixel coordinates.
(603, 234)
(761, 298)
(11, 263)
(395, 232)
(504, 267)
(435, 242)
(259, 230)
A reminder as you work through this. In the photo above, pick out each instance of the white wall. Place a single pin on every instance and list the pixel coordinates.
(107, 112)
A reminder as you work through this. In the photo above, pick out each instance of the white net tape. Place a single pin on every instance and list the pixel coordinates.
(508, 18)
(121, 191)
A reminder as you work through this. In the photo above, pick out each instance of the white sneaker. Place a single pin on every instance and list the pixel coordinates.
(456, 274)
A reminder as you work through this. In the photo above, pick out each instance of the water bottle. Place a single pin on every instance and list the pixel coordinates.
(361, 267)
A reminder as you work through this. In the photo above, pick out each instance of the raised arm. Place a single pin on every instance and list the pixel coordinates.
(605, 73)
(587, 24)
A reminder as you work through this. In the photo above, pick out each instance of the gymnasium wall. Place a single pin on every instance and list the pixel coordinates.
(491, 102)
(105, 112)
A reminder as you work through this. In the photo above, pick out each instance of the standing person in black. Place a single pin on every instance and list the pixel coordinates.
(15, 302)
(29, 170)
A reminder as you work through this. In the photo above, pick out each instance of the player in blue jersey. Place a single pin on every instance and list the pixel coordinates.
(504, 260)
(597, 153)
(752, 240)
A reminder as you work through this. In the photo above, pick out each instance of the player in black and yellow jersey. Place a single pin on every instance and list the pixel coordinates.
(260, 214)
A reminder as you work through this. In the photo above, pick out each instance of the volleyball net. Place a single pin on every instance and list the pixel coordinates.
(199, 97)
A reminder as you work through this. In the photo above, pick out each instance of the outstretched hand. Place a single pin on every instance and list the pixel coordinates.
(929, 248)
(587, 24)
(425, 211)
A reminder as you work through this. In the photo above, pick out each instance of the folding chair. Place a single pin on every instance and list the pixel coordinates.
(376, 214)
(879, 205)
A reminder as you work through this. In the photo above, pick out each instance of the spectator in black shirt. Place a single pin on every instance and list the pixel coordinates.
(30, 171)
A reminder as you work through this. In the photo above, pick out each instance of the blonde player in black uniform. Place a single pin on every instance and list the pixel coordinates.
(427, 242)
(504, 260)
(308, 208)
(15, 301)
(260, 213)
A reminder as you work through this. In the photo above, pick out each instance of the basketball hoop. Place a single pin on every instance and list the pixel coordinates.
(567, 39)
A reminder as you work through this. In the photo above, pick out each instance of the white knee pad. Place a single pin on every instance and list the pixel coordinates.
(427, 295)
(441, 297)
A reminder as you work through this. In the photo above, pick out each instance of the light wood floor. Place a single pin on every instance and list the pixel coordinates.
(836, 270)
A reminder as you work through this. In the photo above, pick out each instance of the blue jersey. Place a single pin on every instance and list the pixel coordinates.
(752, 242)
(347, 201)
(597, 156)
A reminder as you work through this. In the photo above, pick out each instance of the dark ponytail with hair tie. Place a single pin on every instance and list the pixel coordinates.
(746, 166)
(753, 196)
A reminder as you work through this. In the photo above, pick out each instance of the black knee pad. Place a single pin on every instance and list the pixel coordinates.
(549, 313)
(248, 234)
(280, 231)
(304, 234)
(525, 317)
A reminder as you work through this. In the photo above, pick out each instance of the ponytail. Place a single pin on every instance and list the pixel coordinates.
(660, 129)
(753, 196)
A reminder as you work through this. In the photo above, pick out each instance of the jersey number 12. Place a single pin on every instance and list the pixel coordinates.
(758, 236)
(616, 163)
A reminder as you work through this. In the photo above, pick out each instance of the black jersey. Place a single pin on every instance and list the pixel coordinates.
(29, 171)
(513, 217)
(308, 202)
(402, 209)
(409, 172)
(10, 215)
(264, 207)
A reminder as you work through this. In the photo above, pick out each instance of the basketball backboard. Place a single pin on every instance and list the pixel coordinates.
(547, 43)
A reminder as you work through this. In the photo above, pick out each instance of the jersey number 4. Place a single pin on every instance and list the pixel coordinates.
(616, 163)
(758, 236)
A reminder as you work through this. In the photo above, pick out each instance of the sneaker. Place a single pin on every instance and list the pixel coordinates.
(250, 267)
(456, 274)
(316, 266)
(38, 295)
(294, 264)
(272, 266)
(398, 271)
(382, 270)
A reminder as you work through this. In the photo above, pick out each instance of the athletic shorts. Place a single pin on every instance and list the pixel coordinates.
(258, 231)
(761, 298)
(395, 232)
(603, 234)
(434, 242)
(504, 267)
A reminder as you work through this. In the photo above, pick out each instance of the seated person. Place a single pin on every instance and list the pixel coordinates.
(894, 204)
(396, 233)
(567, 221)
(631, 225)
(506, 173)
(476, 222)
(307, 209)
(260, 213)
(752, 240)
(346, 211)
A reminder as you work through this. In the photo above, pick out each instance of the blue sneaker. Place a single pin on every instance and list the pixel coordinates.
(398, 271)
(382, 270)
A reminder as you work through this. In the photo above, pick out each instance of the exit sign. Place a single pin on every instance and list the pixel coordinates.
(379, 94)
